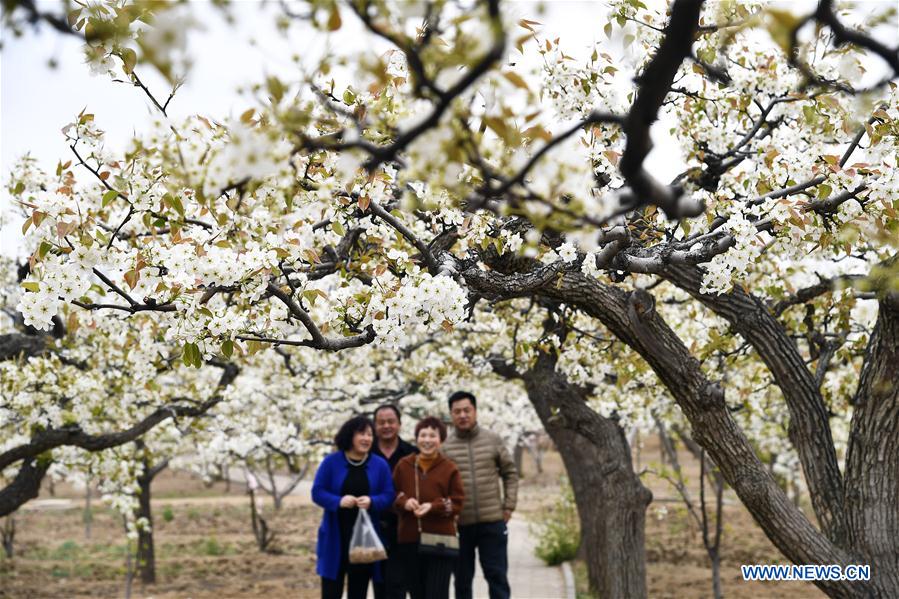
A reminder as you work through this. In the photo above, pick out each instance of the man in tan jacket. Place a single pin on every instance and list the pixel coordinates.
(484, 462)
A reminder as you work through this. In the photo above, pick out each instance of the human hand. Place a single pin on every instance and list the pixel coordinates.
(363, 502)
(411, 504)
(348, 501)
(423, 509)
(447, 505)
(506, 515)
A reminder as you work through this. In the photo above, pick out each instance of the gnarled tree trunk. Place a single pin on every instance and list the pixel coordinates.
(146, 550)
(872, 461)
(610, 498)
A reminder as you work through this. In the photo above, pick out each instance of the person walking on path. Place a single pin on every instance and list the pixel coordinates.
(392, 448)
(484, 463)
(348, 480)
(429, 497)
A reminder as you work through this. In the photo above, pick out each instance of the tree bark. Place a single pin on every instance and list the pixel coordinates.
(610, 498)
(14, 345)
(146, 550)
(8, 535)
(25, 486)
(518, 455)
(88, 516)
(872, 461)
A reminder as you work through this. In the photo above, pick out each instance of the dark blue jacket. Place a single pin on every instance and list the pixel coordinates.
(326, 493)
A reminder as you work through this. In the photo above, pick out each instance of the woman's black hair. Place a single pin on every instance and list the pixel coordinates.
(357, 424)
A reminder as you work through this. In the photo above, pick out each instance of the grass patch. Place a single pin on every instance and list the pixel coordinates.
(213, 547)
(557, 529)
(581, 580)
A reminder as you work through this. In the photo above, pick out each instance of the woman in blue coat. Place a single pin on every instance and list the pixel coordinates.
(348, 480)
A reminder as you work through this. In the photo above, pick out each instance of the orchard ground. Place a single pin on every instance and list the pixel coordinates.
(205, 548)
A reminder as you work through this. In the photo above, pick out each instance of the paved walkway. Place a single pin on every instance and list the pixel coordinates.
(529, 577)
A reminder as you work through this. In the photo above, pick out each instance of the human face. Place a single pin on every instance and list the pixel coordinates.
(387, 425)
(362, 440)
(428, 441)
(464, 414)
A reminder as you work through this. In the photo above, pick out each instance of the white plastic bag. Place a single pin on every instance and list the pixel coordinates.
(365, 546)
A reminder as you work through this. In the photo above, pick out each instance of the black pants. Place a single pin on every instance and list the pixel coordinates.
(357, 576)
(491, 541)
(393, 572)
(426, 577)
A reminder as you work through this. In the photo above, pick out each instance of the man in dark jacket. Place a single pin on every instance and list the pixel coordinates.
(485, 465)
(392, 448)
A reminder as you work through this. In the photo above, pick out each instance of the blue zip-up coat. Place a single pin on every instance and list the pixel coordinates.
(326, 493)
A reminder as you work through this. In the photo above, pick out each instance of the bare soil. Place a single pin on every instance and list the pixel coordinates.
(204, 548)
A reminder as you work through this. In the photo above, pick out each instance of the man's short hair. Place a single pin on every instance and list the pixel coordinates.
(357, 424)
(387, 406)
(459, 396)
(432, 422)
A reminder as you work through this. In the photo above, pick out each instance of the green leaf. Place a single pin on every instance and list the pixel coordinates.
(338, 228)
(109, 196)
(129, 58)
(227, 348)
(187, 354)
(177, 205)
(809, 112)
(781, 24)
(275, 88)
(192, 355)
(45, 247)
(310, 295)
(32, 286)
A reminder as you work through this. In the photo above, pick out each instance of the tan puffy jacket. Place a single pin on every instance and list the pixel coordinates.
(483, 461)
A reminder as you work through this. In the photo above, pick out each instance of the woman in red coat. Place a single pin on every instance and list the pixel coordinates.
(429, 498)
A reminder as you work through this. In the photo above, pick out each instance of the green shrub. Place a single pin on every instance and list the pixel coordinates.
(69, 550)
(557, 529)
(167, 514)
(212, 547)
